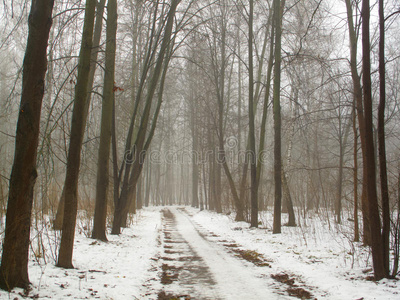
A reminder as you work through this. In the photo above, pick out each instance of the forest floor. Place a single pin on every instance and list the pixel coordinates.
(181, 253)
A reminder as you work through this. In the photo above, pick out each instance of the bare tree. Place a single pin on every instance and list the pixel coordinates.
(109, 89)
(75, 145)
(14, 260)
(277, 118)
(58, 221)
(252, 134)
(369, 163)
(381, 141)
(142, 142)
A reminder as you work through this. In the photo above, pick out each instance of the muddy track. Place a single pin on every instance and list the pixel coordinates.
(184, 273)
(195, 263)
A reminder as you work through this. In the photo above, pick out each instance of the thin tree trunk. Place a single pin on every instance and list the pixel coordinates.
(252, 135)
(116, 179)
(338, 206)
(288, 200)
(100, 210)
(265, 107)
(221, 159)
(75, 146)
(372, 197)
(141, 144)
(14, 260)
(342, 150)
(195, 167)
(355, 176)
(211, 172)
(139, 198)
(277, 119)
(357, 89)
(381, 141)
(148, 184)
(125, 170)
(58, 221)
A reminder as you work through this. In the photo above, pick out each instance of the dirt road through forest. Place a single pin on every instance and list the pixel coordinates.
(194, 266)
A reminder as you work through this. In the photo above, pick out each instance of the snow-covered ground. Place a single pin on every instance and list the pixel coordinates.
(323, 258)
(316, 256)
(113, 270)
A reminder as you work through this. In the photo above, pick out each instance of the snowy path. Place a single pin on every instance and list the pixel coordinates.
(197, 267)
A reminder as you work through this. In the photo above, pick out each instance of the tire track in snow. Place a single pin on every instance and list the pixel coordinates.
(208, 271)
(184, 273)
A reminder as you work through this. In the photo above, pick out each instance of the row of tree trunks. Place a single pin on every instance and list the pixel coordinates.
(58, 221)
(141, 144)
(357, 90)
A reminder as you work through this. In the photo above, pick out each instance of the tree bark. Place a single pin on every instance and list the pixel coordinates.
(77, 131)
(252, 135)
(357, 90)
(139, 194)
(277, 119)
(142, 144)
(221, 158)
(288, 201)
(372, 197)
(58, 221)
(14, 260)
(147, 184)
(100, 211)
(195, 152)
(381, 141)
(355, 176)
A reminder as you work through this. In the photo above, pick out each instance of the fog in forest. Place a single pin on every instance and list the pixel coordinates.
(276, 113)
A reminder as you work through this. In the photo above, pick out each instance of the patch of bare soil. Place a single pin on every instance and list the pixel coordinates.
(252, 256)
(169, 273)
(168, 214)
(166, 296)
(233, 245)
(292, 289)
(180, 265)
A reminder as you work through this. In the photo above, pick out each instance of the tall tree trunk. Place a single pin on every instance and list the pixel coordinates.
(342, 150)
(252, 134)
(355, 175)
(338, 204)
(100, 210)
(14, 260)
(211, 170)
(288, 200)
(373, 209)
(77, 131)
(116, 178)
(139, 196)
(195, 152)
(381, 141)
(287, 197)
(357, 89)
(147, 184)
(221, 158)
(142, 144)
(277, 119)
(58, 221)
(396, 250)
(260, 154)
